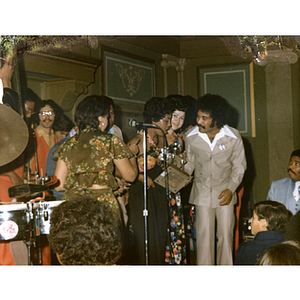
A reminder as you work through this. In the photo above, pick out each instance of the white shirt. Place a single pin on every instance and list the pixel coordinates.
(223, 131)
(296, 192)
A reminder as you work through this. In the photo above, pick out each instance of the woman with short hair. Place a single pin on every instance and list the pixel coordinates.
(88, 161)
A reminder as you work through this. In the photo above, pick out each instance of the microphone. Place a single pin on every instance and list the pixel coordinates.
(134, 123)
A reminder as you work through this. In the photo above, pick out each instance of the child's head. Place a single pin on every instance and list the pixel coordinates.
(285, 253)
(269, 215)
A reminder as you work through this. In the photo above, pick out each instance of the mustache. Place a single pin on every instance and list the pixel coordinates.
(201, 126)
(292, 171)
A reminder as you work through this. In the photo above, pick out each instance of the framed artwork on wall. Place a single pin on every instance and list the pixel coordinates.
(128, 79)
(235, 84)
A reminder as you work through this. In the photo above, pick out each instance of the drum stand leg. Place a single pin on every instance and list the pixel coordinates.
(29, 241)
(32, 242)
(30, 236)
(40, 251)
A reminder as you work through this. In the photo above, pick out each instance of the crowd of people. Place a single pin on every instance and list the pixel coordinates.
(102, 186)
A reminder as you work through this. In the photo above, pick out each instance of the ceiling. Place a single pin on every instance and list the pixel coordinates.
(180, 46)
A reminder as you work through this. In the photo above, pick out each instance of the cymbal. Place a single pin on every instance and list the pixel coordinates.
(14, 135)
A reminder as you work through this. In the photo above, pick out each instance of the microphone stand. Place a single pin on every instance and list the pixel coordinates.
(145, 210)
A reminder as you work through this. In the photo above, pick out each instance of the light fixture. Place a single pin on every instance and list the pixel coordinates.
(264, 49)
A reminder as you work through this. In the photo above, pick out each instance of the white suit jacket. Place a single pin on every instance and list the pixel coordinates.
(217, 170)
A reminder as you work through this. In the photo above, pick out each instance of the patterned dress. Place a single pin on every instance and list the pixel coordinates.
(89, 159)
(176, 245)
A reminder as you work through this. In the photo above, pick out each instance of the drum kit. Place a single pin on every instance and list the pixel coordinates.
(26, 221)
(30, 218)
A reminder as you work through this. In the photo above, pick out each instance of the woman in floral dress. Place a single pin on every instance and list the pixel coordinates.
(88, 162)
(176, 253)
(157, 111)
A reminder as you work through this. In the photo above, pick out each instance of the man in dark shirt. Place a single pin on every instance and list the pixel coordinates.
(267, 225)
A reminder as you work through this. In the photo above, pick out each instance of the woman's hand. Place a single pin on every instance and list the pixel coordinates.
(119, 191)
(123, 187)
(134, 145)
(150, 182)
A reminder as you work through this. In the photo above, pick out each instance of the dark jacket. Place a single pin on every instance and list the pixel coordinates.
(250, 251)
(11, 99)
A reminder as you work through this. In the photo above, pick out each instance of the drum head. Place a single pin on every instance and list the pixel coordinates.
(12, 221)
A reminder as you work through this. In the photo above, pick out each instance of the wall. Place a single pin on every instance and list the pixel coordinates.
(137, 48)
(279, 115)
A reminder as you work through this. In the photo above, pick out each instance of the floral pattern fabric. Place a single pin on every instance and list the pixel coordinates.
(89, 159)
(153, 156)
(176, 246)
(103, 195)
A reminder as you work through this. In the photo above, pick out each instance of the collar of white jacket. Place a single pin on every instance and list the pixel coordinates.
(223, 131)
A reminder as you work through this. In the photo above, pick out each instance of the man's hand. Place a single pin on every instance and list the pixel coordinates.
(226, 196)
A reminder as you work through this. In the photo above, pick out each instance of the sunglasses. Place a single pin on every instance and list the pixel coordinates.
(47, 113)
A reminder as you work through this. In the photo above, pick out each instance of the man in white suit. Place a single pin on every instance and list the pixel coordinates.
(287, 190)
(215, 151)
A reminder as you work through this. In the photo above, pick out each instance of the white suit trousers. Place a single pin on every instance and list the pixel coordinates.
(206, 237)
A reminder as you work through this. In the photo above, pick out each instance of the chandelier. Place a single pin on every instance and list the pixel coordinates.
(264, 49)
(10, 45)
